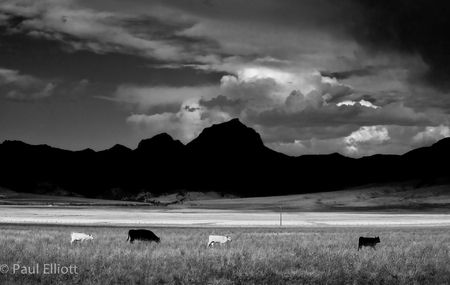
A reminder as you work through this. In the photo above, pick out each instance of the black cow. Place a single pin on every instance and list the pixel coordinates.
(367, 241)
(142, 235)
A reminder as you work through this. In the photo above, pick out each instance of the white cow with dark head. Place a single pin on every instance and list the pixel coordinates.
(218, 239)
(80, 237)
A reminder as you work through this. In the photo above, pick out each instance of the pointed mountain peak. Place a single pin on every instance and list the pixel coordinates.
(117, 148)
(230, 134)
(234, 121)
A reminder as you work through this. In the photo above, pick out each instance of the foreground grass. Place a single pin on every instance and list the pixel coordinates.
(256, 256)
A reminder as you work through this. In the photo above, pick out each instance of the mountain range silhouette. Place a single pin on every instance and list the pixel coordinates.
(228, 157)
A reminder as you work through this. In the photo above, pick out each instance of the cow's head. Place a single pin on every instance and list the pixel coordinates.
(228, 238)
(90, 237)
(377, 239)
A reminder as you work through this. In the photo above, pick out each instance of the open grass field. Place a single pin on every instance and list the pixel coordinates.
(311, 255)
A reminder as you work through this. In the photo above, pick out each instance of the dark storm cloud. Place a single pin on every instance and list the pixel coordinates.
(405, 27)
(190, 109)
(164, 108)
(308, 13)
(427, 97)
(85, 29)
(19, 51)
(408, 26)
(170, 32)
(366, 97)
(13, 21)
(382, 98)
(283, 134)
(339, 75)
(219, 101)
(333, 115)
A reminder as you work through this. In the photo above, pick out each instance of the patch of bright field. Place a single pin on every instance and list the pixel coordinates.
(213, 217)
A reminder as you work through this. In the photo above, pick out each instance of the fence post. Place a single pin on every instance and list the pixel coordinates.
(281, 216)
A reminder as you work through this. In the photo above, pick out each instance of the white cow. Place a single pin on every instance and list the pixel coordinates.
(80, 237)
(218, 239)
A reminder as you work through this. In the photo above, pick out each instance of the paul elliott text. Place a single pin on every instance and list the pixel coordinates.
(47, 268)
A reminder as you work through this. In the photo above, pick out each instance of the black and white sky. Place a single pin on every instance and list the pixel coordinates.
(358, 77)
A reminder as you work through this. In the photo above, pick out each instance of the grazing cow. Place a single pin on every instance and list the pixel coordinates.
(80, 237)
(218, 239)
(142, 235)
(367, 241)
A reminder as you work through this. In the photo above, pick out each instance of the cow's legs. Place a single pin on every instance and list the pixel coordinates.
(211, 243)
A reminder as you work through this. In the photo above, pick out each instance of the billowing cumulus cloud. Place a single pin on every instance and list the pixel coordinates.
(330, 89)
(251, 92)
(389, 139)
(366, 135)
(373, 133)
(431, 135)
(264, 87)
(287, 108)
